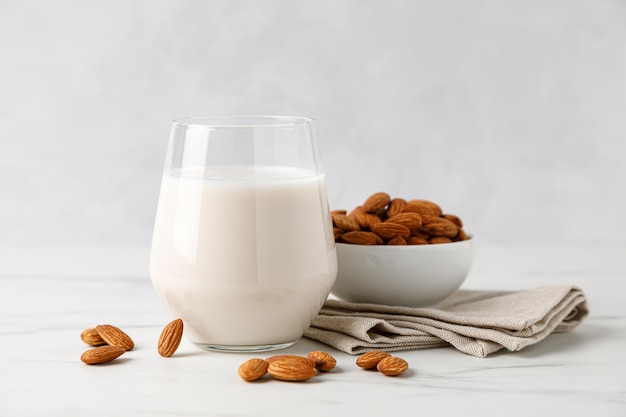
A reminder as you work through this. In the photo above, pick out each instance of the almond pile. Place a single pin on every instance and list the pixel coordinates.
(109, 342)
(382, 220)
(292, 368)
(383, 362)
(301, 368)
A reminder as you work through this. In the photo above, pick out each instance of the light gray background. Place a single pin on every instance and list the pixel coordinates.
(510, 114)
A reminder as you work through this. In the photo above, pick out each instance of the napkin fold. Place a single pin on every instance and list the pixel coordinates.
(475, 322)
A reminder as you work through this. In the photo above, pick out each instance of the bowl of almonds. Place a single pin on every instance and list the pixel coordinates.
(400, 252)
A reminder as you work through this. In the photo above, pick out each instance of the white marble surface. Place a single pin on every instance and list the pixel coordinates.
(48, 295)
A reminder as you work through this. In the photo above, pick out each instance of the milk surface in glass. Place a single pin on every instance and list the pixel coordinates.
(244, 255)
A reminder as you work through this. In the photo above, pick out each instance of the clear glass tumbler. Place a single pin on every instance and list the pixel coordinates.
(243, 249)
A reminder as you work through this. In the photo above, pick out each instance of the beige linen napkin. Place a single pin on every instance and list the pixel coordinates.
(475, 322)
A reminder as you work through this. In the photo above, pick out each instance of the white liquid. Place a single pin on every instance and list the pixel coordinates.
(243, 261)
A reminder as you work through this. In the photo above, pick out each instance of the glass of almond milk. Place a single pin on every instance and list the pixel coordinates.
(243, 249)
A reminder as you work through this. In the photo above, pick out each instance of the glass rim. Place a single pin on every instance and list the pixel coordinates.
(241, 121)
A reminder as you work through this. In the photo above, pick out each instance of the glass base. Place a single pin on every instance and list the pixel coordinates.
(243, 348)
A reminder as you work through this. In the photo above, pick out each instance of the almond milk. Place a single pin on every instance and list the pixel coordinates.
(245, 256)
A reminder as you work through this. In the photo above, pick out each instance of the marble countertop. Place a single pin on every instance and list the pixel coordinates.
(49, 295)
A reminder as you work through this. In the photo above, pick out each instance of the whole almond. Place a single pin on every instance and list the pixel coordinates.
(170, 338)
(439, 239)
(253, 369)
(375, 202)
(424, 210)
(302, 359)
(389, 230)
(115, 336)
(291, 370)
(460, 236)
(392, 366)
(395, 206)
(440, 227)
(341, 211)
(323, 360)
(91, 337)
(361, 238)
(420, 233)
(454, 219)
(397, 241)
(337, 232)
(101, 354)
(433, 206)
(369, 360)
(345, 223)
(416, 240)
(365, 220)
(352, 214)
(411, 220)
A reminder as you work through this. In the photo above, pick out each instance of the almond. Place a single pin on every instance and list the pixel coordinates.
(296, 358)
(397, 241)
(115, 336)
(332, 213)
(433, 206)
(369, 360)
(291, 370)
(345, 223)
(411, 220)
(170, 338)
(423, 210)
(352, 214)
(395, 206)
(337, 232)
(323, 361)
(253, 369)
(454, 219)
(392, 366)
(460, 236)
(419, 233)
(389, 230)
(361, 238)
(375, 202)
(416, 240)
(101, 354)
(440, 227)
(439, 239)
(91, 337)
(365, 220)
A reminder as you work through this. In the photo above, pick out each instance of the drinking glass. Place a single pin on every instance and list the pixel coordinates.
(243, 249)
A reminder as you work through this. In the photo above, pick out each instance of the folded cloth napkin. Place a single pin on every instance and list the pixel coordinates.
(475, 322)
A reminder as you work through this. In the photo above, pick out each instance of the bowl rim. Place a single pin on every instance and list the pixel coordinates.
(438, 246)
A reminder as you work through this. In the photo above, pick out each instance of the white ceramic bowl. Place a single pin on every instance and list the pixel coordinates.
(412, 276)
